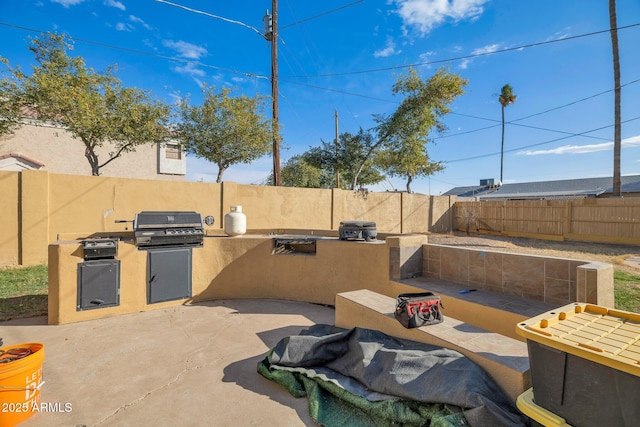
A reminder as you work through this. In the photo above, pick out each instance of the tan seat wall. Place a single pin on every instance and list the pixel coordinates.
(505, 359)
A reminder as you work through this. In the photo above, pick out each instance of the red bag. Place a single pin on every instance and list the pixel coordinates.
(418, 309)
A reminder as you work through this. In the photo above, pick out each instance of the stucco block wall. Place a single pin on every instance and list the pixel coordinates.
(226, 267)
(92, 204)
(405, 256)
(552, 280)
(269, 207)
(9, 212)
(382, 208)
(40, 206)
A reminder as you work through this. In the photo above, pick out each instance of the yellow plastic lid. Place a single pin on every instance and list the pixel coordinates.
(606, 336)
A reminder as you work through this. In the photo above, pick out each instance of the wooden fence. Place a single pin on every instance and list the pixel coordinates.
(614, 220)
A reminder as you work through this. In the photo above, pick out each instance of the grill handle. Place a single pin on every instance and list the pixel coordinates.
(125, 221)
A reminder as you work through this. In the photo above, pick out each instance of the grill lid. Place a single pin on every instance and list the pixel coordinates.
(168, 228)
(167, 219)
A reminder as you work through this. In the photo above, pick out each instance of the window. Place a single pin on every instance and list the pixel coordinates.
(173, 151)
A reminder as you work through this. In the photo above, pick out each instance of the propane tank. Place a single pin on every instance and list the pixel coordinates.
(235, 222)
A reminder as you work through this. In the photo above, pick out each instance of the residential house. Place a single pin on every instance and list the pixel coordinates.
(549, 190)
(42, 146)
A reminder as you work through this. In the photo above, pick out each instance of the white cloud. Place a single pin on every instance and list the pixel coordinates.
(426, 55)
(186, 50)
(634, 141)
(464, 64)
(190, 69)
(559, 35)
(137, 20)
(425, 15)
(114, 3)
(121, 26)
(388, 50)
(68, 3)
(486, 49)
(177, 99)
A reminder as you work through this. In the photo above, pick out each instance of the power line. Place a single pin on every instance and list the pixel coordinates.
(579, 100)
(471, 56)
(321, 14)
(232, 21)
(139, 52)
(259, 76)
(512, 123)
(306, 41)
(535, 145)
(338, 91)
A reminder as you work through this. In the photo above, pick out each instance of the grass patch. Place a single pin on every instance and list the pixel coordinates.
(627, 291)
(23, 292)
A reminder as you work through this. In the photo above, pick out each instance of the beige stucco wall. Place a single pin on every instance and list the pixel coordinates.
(61, 154)
(228, 267)
(54, 205)
(418, 210)
(383, 208)
(34, 218)
(9, 213)
(268, 207)
(92, 204)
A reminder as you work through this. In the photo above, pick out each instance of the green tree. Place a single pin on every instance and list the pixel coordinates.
(93, 107)
(296, 172)
(617, 137)
(10, 101)
(506, 98)
(409, 160)
(225, 130)
(426, 102)
(349, 159)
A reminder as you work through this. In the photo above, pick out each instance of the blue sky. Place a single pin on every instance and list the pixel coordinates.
(345, 55)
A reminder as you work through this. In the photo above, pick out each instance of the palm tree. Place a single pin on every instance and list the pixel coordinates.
(617, 142)
(506, 97)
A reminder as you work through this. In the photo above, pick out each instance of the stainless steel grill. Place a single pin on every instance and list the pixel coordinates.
(168, 228)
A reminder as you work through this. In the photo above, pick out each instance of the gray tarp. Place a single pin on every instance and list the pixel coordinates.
(375, 368)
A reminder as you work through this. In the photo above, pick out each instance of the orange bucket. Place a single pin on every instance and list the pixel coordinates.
(20, 382)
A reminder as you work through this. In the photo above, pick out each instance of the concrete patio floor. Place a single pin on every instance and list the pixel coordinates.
(190, 365)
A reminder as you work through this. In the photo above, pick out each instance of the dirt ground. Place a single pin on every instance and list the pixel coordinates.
(623, 257)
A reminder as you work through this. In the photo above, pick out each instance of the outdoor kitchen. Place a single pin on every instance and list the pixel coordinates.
(179, 257)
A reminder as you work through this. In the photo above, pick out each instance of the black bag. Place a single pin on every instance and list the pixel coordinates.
(418, 309)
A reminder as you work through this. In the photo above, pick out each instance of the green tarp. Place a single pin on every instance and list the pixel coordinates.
(361, 377)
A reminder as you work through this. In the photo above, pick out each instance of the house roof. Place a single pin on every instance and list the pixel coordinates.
(560, 189)
(16, 162)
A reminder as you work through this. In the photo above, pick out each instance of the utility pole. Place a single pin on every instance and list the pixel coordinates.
(337, 171)
(271, 34)
(274, 94)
